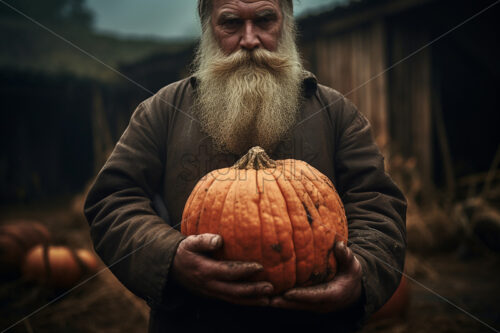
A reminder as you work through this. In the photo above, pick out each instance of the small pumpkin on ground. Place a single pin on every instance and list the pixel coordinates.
(16, 239)
(283, 214)
(58, 266)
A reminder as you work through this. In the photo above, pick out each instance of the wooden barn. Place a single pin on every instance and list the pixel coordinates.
(425, 72)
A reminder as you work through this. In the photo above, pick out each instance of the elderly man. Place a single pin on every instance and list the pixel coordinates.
(249, 88)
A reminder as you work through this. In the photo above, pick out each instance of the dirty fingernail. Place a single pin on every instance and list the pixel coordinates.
(258, 267)
(215, 241)
(267, 289)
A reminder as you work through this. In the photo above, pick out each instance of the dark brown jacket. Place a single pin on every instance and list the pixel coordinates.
(161, 156)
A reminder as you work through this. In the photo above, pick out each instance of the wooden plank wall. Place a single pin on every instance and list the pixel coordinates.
(351, 63)
(364, 63)
(410, 98)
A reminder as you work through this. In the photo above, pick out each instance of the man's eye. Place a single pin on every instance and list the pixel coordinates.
(263, 20)
(232, 23)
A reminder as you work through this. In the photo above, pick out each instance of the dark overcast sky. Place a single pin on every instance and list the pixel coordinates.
(164, 18)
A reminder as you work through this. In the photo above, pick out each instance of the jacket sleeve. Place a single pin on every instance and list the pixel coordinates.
(375, 208)
(129, 236)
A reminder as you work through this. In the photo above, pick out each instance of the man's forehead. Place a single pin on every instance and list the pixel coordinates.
(235, 4)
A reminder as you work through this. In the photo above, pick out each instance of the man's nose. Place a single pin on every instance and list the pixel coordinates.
(249, 40)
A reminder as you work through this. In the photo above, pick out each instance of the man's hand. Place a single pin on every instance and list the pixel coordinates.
(343, 291)
(225, 280)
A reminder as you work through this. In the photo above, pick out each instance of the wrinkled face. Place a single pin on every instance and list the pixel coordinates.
(246, 24)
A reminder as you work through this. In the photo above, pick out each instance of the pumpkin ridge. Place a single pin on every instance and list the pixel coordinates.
(340, 222)
(184, 220)
(194, 219)
(316, 233)
(227, 223)
(210, 202)
(283, 198)
(81, 265)
(340, 210)
(204, 220)
(247, 235)
(300, 234)
(326, 226)
(204, 194)
(237, 215)
(188, 206)
(330, 225)
(283, 227)
(273, 262)
(236, 245)
(219, 215)
(261, 227)
(302, 231)
(46, 262)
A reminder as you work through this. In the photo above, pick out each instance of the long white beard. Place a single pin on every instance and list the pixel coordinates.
(247, 98)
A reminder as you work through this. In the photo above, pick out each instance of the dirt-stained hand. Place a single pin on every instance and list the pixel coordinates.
(339, 293)
(225, 280)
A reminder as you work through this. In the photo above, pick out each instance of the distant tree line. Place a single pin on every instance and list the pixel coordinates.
(61, 12)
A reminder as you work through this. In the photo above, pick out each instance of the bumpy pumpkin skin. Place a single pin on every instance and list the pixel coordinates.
(283, 214)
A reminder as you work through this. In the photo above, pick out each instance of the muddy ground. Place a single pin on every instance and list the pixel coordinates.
(451, 292)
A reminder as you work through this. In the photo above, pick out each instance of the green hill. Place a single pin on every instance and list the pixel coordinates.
(27, 46)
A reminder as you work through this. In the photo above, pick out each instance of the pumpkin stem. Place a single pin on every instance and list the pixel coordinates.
(256, 158)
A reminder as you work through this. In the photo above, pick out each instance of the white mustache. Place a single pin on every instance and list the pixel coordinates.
(256, 59)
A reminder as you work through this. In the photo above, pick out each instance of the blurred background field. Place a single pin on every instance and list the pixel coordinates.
(424, 72)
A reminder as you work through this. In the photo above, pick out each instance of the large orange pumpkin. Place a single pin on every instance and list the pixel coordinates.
(16, 239)
(58, 266)
(283, 214)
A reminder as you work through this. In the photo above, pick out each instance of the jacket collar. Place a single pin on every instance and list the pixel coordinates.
(309, 83)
